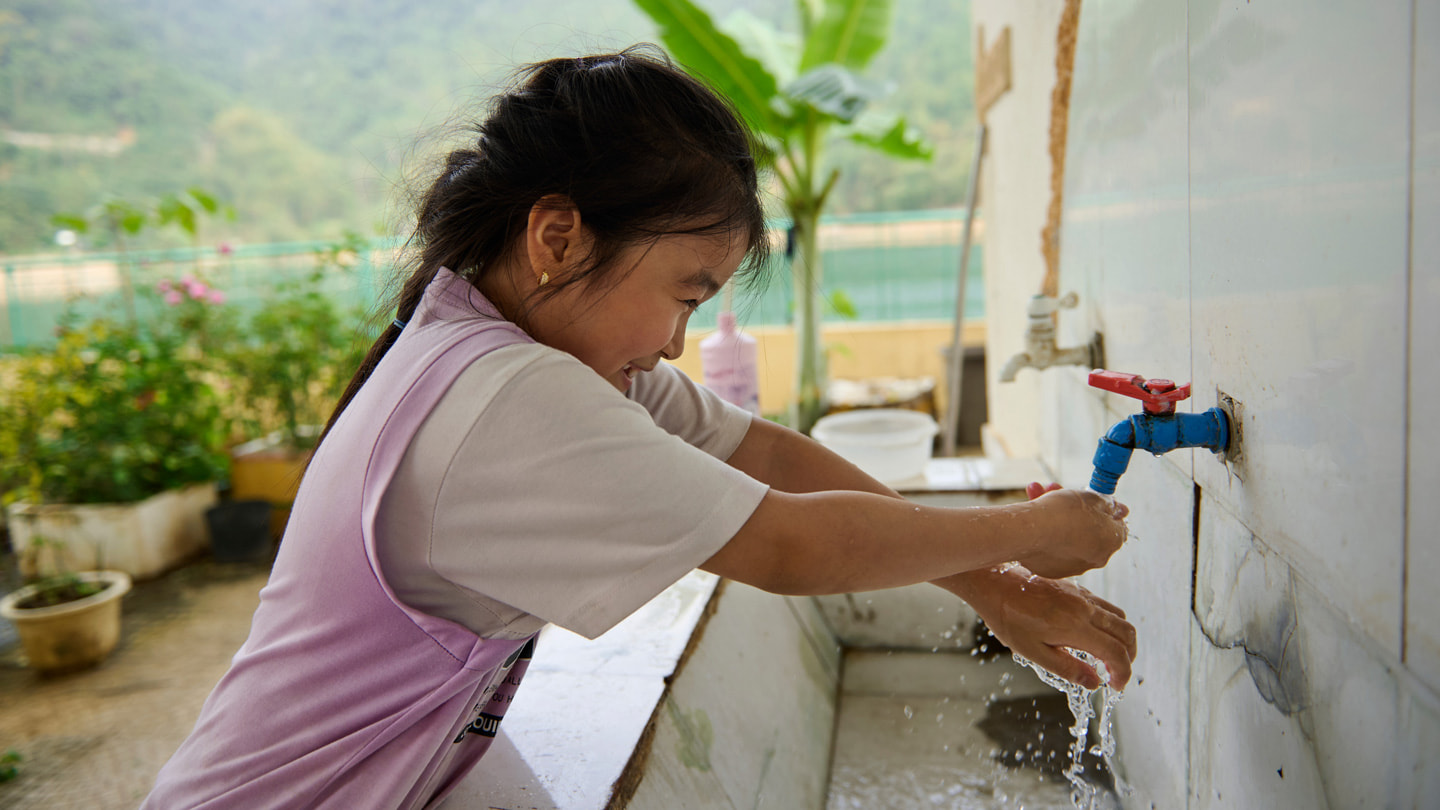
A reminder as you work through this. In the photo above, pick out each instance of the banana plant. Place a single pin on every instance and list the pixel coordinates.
(797, 93)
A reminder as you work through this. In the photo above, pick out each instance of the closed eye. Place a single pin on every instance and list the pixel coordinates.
(692, 303)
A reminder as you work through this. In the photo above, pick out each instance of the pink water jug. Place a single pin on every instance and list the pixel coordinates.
(728, 360)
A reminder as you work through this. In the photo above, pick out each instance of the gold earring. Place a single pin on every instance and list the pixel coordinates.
(544, 278)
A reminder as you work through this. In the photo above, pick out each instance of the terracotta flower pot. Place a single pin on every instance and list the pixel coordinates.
(71, 635)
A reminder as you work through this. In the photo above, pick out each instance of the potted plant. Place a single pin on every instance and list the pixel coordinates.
(294, 357)
(116, 440)
(66, 620)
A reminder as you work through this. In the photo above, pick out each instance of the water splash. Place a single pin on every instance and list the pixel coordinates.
(1083, 794)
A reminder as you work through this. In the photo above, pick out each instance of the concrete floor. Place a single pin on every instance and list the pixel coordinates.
(96, 739)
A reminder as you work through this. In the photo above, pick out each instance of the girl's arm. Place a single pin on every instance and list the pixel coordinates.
(827, 527)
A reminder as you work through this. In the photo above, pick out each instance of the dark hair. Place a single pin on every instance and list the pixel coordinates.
(638, 146)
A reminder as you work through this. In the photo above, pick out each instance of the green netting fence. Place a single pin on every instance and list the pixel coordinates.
(893, 266)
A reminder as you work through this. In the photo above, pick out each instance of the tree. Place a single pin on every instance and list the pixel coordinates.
(796, 93)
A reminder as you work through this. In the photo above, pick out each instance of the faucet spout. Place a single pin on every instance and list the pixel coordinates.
(1013, 365)
(1157, 429)
(1041, 351)
(1157, 434)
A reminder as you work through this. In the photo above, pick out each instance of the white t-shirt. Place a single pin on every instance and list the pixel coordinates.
(535, 492)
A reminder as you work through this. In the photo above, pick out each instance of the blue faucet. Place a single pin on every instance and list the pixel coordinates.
(1158, 429)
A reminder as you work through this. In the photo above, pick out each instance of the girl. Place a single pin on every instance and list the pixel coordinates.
(515, 451)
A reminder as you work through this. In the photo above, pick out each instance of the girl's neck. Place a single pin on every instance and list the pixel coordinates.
(504, 286)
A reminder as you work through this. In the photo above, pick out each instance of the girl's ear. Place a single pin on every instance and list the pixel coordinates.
(553, 237)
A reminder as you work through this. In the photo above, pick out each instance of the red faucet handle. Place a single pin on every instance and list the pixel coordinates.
(1158, 396)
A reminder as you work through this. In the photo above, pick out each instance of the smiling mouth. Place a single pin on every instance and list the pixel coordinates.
(629, 371)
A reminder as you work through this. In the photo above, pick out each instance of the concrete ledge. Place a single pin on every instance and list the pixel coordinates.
(710, 693)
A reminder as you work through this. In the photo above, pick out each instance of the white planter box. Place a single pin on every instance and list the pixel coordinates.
(143, 539)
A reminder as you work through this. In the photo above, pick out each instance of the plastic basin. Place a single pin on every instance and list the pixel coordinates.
(889, 444)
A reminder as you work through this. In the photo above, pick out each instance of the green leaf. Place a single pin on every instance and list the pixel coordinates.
(837, 92)
(74, 222)
(847, 32)
(132, 221)
(898, 139)
(206, 200)
(175, 210)
(809, 11)
(694, 41)
(843, 306)
(778, 51)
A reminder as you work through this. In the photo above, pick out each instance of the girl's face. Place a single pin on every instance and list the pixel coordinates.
(632, 320)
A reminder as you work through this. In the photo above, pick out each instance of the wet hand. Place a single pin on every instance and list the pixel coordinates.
(1039, 618)
(1075, 530)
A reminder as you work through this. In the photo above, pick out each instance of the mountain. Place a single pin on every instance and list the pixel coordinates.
(309, 115)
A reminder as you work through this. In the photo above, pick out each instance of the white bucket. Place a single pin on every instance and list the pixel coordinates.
(889, 444)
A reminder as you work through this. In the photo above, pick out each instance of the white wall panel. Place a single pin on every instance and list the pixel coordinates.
(1133, 120)
(1150, 579)
(1299, 144)
(1422, 614)
(1015, 185)
(1291, 706)
(1125, 240)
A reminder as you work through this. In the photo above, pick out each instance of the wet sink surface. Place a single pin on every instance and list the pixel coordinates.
(943, 730)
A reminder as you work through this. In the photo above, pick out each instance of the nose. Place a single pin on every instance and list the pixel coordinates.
(676, 346)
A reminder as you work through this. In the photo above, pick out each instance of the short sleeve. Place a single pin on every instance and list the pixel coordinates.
(565, 500)
(690, 410)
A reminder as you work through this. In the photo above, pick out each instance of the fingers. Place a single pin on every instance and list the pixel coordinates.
(1109, 606)
(1120, 630)
(1067, 666)
(1035, 489)
(1117, 660)
(1103, 633)
(1112, 640)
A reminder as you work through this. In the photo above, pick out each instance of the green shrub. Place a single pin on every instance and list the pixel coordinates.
(114, 413)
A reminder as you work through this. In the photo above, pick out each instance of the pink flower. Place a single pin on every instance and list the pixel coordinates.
(173, 297)
(164, 285)
(226, 249)
(217, 297)
(196, 289)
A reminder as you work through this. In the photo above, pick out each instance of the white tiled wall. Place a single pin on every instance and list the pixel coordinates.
(1011, 180)
(1252, 203)
(1422, 635)
(1298, 231)
(1153, 570)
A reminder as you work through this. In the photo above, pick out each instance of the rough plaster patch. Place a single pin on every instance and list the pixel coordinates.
(1065, 39)
(1249, 604)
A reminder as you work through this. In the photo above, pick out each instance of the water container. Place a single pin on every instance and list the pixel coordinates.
(889, 444)
(728, 360)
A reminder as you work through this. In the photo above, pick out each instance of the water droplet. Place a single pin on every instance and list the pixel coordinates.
(909, 712)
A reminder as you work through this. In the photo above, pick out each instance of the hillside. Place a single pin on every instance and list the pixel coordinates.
(306, 114)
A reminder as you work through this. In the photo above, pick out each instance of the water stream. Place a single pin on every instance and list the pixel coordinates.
(1084, 794)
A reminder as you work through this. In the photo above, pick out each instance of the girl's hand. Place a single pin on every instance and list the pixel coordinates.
(1075, 530)
(1038, 618)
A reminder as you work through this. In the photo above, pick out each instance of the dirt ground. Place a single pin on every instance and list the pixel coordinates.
(96, 739)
